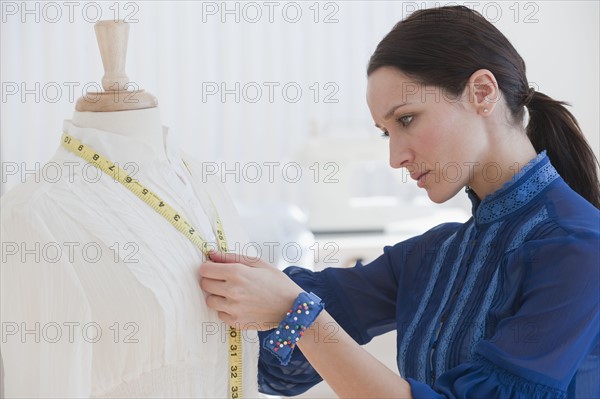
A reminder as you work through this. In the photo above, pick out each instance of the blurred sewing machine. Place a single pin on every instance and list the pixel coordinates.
(355, 190)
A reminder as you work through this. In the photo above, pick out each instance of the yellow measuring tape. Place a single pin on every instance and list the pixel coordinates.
(175, 218)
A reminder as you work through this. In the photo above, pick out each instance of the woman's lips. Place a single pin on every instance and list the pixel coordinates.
(420, 178)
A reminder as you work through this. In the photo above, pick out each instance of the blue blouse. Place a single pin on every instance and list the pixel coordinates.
(505, 305)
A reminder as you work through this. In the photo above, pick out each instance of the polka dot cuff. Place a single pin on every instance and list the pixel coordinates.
(282, 340)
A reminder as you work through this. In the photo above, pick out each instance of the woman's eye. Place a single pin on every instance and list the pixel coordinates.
(385, 135)
(405, 120)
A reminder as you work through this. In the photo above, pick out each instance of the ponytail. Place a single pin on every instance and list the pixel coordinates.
(553, 128)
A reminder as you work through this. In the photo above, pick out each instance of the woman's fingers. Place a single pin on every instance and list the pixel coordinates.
(253, 294)
(227, 313)
(226, 257)
(214, 287)
(226, 317)
(217, 303)
(218, 271)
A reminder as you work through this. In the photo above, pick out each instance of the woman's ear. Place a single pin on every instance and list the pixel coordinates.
(483, 92)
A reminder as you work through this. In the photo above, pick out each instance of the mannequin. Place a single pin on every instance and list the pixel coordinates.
(116, 110)
(100, 292)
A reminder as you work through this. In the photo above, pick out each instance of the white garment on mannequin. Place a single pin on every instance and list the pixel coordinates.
(143, 125)
(110, 286)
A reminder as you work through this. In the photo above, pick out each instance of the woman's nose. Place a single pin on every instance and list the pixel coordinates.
(400, 155)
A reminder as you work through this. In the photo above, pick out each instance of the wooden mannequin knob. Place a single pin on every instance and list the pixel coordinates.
(112, 39)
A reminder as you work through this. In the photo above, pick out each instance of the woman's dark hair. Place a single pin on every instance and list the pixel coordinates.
(443, 47)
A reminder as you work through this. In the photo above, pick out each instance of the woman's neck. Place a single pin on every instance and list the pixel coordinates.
(509, 152)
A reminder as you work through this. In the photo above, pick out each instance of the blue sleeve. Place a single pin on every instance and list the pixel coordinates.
(547, 348)
(341, 289)
(362, 299)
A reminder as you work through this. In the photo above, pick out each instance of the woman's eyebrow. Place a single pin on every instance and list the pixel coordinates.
(392, 110)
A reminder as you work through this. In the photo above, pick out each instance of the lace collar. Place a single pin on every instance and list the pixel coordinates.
(516, 193)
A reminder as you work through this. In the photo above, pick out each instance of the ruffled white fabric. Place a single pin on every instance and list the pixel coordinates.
(100, 294)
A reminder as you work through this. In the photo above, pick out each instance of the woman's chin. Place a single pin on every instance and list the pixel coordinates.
(439, 195)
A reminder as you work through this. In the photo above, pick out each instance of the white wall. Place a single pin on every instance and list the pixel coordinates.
(177, 48)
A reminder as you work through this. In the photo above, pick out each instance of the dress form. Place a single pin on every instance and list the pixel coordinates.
(151, 333)
(117, 110)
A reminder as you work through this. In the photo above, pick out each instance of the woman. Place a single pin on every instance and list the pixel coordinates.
(505, 305)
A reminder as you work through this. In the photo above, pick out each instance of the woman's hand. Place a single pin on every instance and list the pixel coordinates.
(247, 292)
(257, 296)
